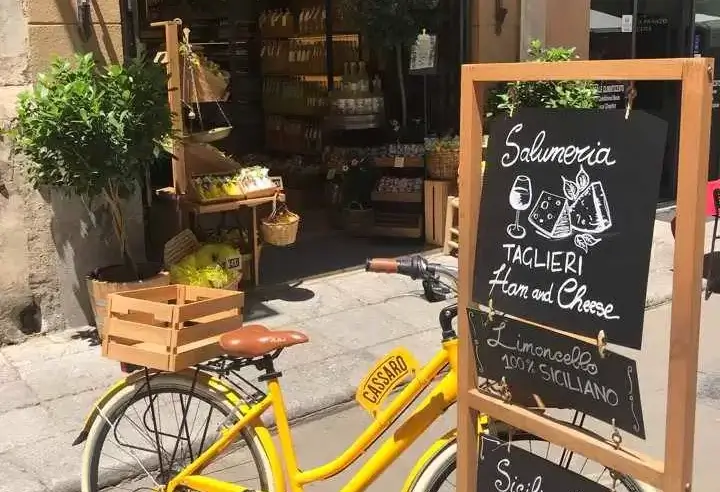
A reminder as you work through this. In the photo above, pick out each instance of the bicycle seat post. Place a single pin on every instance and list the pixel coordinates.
(267, 365)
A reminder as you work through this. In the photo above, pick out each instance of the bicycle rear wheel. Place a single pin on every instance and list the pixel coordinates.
(149, 432)
(439, 473)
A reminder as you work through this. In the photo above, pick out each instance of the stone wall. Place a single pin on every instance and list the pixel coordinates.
(554, 22)
(50, 243)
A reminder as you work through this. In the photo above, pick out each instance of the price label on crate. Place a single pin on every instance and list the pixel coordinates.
(399, 162)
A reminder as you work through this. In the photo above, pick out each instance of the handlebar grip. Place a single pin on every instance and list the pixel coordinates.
(381, 265)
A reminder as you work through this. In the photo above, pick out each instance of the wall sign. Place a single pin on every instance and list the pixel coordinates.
(611, 94)
(563, 371)
(508, 468)
(566, 219)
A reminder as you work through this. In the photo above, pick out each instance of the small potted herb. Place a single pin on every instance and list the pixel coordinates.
(510, 96)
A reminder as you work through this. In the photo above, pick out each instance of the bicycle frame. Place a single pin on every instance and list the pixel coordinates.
(440, 398)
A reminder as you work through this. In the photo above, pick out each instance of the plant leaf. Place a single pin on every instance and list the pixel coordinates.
(570, 189)
(582, 179)
(585, 241)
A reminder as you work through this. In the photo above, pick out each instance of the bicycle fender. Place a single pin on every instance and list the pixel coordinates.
(135, 377)
(427, 456)
(435, 448)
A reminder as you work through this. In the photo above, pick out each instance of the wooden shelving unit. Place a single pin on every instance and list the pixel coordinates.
(399, 213)
(303, 49)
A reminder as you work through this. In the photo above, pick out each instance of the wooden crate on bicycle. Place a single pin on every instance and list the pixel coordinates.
(170, 328)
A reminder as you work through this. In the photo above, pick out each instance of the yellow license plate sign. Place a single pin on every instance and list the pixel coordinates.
(388, 374)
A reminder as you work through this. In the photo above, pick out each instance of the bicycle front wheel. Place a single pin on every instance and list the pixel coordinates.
(439, 473)
(153, 428)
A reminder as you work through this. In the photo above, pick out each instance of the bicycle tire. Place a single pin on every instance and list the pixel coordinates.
(438, 468)
(164, 383)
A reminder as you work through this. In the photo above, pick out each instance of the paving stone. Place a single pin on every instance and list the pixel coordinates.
(311, 301)
(331, 381)
(423, 345)
(49, 347)
(359, 328)
(414, 310)
(319, 347)
(16, 394)
(373, 288)
(69, 412)
(70, 375)
(256, 311)
(8, 373)
(709, 389)
(53, 461)
(14, 479)
(24, 426)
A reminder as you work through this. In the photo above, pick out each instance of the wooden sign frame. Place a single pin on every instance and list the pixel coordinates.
(695, 75)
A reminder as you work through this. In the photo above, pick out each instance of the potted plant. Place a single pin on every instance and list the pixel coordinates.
(92, 132)
(442, 157)
(581, 94)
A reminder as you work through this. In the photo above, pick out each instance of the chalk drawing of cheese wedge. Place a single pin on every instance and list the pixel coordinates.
(590, 211)
(551, 216)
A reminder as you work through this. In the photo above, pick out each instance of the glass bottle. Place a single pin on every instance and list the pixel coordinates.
(363, 80)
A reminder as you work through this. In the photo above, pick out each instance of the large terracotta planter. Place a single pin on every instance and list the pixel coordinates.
(111, 279)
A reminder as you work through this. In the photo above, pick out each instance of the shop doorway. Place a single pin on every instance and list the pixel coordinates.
(283, 58)
(645, 29)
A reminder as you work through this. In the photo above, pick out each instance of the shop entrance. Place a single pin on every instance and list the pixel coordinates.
(645, 29)
(315, 103)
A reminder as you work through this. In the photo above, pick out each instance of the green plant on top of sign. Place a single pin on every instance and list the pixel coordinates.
(509, 96)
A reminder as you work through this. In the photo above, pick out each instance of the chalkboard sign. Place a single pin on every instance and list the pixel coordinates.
(508, 468)
(564, 372)
(566, 219)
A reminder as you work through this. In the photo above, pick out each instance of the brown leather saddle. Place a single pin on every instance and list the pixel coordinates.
(256, 340)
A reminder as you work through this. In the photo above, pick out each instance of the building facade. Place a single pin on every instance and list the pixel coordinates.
(49, 244)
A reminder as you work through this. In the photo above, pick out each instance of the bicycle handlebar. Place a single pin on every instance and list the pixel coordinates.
(381, 265)
(414, 267)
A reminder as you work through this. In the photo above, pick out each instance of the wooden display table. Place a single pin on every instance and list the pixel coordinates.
(194, 209)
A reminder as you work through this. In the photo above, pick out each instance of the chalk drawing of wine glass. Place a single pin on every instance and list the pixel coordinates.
(520, 198)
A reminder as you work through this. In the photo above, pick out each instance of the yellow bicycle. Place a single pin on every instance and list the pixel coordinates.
(163, 451)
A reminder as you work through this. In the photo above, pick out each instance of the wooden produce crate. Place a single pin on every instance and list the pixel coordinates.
(169, 328)
(400, 161)
(436, 195)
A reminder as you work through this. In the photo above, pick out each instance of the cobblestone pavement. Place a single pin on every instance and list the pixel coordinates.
(48, 383)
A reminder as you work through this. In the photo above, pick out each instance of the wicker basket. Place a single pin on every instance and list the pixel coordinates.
(358, 220)
(280, 234)
(443, 164)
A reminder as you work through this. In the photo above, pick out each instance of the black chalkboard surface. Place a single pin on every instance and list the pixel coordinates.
(566, 219)
(564, 371)
(508, 468)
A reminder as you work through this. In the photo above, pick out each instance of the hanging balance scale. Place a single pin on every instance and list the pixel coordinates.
(200, 84)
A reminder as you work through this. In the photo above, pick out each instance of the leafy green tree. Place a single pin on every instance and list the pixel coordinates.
(92, 132)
